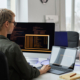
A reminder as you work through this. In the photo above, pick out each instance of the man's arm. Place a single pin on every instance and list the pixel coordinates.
(27, 71)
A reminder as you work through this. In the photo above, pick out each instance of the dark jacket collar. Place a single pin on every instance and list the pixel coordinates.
(3, 37)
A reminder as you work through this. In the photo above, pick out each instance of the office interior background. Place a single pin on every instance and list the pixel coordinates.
(34, 11)
(68, 12)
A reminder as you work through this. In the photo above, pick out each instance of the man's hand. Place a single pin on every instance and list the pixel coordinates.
(44, 69)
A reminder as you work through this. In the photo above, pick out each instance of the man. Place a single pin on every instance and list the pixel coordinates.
(19, 69)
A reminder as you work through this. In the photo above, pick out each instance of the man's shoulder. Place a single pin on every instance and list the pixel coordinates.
(7, 43)
(13, 47)
(11, 44)
(14, 44)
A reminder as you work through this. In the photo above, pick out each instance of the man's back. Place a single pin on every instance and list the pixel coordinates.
(18, 67)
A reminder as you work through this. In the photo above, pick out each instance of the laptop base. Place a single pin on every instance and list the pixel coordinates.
(58, 72)
(53, 71)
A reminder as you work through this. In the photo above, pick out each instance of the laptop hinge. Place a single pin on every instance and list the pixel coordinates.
(65, 67)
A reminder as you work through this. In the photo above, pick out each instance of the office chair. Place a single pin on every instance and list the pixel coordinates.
(66, 38)
(73, 38)
(4, 71)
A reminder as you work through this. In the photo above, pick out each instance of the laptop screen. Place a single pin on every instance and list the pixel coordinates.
(63, 56)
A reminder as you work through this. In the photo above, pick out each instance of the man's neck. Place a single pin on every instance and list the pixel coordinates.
(4, 33)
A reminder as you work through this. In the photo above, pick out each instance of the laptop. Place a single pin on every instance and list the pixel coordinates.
(62, 59)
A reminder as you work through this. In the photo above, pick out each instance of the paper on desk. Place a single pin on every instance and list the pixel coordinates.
(67, 76)
(36, 65)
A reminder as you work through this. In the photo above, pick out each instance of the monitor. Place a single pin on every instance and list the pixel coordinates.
(35, 39)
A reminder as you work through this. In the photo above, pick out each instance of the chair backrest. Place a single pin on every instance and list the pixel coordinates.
(73, 38)
(4, 71)
(61, 39)
(66, 38)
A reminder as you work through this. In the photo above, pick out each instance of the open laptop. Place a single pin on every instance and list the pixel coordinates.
(62, 59)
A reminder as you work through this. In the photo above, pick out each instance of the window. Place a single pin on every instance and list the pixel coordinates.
(9, 4)
(68, 14)
(77, 16)
(72, 15)
(3, 3)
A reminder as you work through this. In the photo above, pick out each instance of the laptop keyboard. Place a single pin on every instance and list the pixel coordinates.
(58, 68)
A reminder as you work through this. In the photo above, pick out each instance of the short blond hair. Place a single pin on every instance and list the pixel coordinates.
(5, 15)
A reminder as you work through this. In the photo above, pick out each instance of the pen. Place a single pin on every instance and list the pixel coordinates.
(73, 75)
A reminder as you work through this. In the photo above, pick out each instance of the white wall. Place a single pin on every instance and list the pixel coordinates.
(37, 10)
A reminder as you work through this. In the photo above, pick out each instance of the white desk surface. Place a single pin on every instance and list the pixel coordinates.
(50, 76)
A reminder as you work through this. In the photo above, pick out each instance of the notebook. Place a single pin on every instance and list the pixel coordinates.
(70, 76)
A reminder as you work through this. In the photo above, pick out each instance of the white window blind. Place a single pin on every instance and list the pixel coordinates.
(72, 15)
(3, 3)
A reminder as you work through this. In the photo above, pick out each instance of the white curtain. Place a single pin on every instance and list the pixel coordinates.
(60, 11)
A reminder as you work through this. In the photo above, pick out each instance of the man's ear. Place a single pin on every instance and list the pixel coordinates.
(6, 24)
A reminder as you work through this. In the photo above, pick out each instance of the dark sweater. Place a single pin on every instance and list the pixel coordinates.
(19, 69)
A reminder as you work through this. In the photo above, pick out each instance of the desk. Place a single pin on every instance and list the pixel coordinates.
(50, 76)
